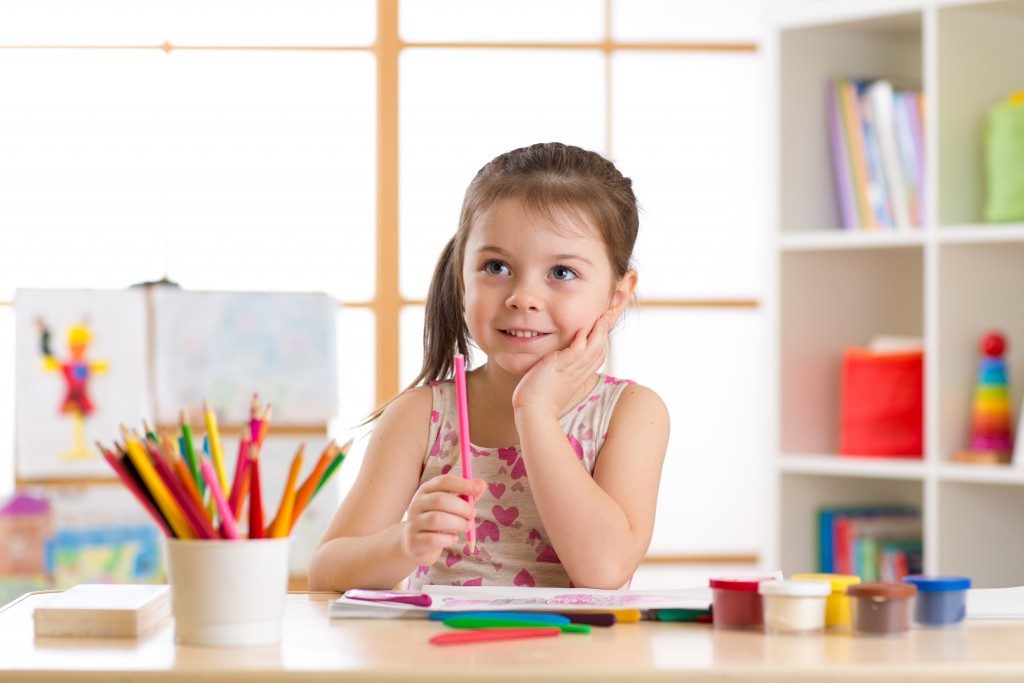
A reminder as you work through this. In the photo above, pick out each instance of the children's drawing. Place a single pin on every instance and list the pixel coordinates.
(80, 371)
(76, 369)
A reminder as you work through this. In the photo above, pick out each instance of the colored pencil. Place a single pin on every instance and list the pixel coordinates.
(335, 464)
(464, 452)
(501, 622)
(308, 488)
(282, 521)
(216, 451)
(227, 521)
(457, 637)
(133, 486)
(181, 469)
(196, 517)
(148, 429)
(175, 517)
(189, 451)
(239, 487)
(255, 499)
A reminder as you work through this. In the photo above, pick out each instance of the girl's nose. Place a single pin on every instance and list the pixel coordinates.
(523, 299)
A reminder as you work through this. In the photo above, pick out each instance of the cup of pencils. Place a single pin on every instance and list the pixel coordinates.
(227, 563)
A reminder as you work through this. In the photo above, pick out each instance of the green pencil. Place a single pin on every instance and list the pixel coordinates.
(502, 622)
(335, 464)
(189, 450)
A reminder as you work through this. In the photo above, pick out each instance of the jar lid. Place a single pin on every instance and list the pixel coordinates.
(880, 590)
(839, 582)
(936, 584)
(739, 583)
(797, 589)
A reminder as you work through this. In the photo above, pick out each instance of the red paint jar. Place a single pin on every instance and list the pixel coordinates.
(736, 602)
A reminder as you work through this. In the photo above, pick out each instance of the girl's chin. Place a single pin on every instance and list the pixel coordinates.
(513, 366)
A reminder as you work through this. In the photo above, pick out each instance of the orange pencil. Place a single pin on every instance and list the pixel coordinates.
(305, 492)
(282, 521)
(182, 470)
(239, 487)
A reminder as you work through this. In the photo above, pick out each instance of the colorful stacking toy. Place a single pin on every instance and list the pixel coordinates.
(991, 415)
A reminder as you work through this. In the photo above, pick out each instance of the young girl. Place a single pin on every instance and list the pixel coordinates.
(567, 461)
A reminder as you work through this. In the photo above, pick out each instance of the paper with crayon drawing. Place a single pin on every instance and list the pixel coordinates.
(505, 599)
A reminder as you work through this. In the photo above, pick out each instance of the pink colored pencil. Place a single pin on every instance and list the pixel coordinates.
(464, 452)
(227, 519)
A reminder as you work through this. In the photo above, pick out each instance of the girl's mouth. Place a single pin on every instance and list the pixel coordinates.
(523, 336)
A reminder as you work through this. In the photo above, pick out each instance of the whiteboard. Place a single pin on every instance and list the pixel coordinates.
(223, 346)
(47, 444)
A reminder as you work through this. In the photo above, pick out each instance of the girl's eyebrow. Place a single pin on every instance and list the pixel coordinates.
(556, 257)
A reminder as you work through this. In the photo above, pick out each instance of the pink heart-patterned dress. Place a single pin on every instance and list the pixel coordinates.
(512, 548)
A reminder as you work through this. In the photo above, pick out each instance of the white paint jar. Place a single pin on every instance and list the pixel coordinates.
(794, 606)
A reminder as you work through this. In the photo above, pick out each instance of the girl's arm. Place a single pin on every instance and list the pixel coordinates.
(600, 526)
(362, 546)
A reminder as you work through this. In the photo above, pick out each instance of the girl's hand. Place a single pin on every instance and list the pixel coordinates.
(438, 516)
(552, 383)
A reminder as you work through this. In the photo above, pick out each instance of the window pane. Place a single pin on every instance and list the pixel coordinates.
(702, 226)
(502, 20)
(357, 377)
(194, 22)
(460, 109)
(227, 170)
(707, 367)
(688, 20)
(6, 400)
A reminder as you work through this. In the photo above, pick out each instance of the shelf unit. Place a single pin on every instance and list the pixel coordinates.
(947, 282)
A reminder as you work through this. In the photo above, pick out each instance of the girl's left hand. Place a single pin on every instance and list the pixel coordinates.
(550, 385)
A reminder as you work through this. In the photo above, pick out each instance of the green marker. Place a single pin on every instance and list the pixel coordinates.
(504, 622)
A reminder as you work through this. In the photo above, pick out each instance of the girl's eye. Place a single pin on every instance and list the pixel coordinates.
(563, 273)
(496, 268)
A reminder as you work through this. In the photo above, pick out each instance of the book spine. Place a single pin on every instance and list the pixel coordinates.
(880, 98)
(854, 131)
(841, 164)
(876, 179)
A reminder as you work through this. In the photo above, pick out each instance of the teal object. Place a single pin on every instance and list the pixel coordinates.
(503, 623)
(551, 619)
(1004, 161)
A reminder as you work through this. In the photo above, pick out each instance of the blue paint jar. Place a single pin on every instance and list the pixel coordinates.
(941, 600)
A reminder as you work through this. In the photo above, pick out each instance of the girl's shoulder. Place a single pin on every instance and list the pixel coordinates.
(411, 406)
(637, 402)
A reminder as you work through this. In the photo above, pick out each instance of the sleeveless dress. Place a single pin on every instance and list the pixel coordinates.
(512, 548)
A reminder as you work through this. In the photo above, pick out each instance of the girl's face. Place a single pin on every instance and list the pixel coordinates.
(533, 281)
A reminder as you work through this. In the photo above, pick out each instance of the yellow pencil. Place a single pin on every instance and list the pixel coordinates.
(216, 451)
(175, 517)
(282, 522)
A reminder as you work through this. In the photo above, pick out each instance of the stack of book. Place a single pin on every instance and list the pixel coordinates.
(877, 141)
(880, 543)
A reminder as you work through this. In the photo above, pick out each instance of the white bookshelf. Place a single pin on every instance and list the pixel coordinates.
(947, 282)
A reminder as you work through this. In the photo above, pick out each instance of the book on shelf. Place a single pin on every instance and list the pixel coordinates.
(877, 543)
(103, 610)
(877, 150)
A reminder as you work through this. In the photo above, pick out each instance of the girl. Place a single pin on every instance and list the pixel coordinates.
(568, 460)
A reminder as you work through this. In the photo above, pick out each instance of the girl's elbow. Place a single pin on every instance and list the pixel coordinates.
(606, 576)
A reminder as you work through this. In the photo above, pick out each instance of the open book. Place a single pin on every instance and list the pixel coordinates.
(506, 599)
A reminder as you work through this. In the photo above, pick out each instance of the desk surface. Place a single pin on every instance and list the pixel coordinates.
(317, 648)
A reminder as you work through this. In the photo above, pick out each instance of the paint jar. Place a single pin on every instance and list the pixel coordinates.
(881, 609)
(837, 606)
(794, 606)
(736, 604)
(941, 600)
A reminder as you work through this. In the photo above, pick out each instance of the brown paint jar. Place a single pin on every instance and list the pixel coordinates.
(881, 609)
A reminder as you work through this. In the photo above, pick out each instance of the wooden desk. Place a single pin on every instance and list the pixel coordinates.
(315, 648)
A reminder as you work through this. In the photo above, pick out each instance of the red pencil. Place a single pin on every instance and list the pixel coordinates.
(457, 637)
(255, 499)
(239, 487)
(196, 517)
(133, 486)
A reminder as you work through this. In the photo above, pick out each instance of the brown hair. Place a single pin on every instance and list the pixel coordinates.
(544, 177)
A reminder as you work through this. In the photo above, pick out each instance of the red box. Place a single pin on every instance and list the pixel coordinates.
(882, 404)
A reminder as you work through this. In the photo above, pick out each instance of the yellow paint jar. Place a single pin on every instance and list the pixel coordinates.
(837, 605)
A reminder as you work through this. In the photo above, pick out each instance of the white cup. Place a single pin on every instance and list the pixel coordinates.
(228, 593)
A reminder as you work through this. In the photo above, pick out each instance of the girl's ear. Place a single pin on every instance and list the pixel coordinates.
(621, 295)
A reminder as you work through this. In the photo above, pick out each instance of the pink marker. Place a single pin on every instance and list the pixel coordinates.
(467, 464)
(227, 519)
